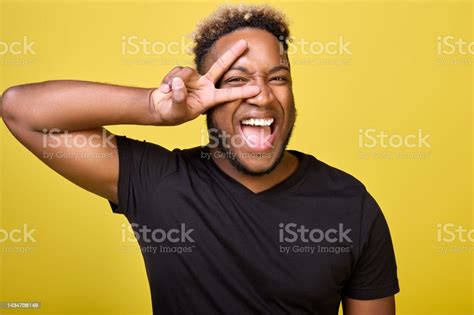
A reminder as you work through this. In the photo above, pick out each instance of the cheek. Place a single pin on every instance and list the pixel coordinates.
(223, 116)
(285, 98)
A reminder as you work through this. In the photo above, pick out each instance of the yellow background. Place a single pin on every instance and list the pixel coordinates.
(392, 82)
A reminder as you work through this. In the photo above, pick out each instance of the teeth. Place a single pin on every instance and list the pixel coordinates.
(257, 122)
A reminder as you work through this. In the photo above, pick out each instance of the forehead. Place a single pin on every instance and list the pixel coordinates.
(263, 48)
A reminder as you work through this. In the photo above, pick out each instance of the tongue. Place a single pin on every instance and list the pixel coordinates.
(256, 136)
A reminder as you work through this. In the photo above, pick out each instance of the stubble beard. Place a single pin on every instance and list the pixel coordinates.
(216, 132)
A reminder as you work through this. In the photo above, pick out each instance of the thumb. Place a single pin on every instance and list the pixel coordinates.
(179, 90)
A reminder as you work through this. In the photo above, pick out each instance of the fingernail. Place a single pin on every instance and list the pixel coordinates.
(165, 88)
(177, 83)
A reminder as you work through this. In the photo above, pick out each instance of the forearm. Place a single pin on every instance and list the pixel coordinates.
(76, 105)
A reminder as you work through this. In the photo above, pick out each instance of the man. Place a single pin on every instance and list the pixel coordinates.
(242, 225)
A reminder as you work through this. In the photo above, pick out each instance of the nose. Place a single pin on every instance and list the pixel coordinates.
(265, 97)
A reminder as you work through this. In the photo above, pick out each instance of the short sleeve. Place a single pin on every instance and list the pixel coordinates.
(141, 166)
(375, 272)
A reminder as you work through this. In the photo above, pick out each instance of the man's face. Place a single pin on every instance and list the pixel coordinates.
(255, 131)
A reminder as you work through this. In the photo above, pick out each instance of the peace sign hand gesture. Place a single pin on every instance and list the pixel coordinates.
(185, 94)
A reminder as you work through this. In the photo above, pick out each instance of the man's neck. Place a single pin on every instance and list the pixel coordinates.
(286, 167)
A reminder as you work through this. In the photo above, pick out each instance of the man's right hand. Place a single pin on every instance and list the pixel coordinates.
(184, 94)
(77, 110)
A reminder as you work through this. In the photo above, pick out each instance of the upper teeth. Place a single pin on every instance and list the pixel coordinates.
(257, 122)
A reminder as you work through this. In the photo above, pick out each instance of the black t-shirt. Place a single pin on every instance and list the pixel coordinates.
(212, 246)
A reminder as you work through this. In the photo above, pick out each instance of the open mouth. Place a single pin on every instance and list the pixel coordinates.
(258, 132)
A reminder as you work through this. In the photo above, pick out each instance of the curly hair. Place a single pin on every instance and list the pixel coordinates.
(228, 18)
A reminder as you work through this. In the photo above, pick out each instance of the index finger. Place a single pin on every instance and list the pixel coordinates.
(225, 61)
(232, 94)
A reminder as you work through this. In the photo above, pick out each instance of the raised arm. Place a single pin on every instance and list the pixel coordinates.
(61, 122)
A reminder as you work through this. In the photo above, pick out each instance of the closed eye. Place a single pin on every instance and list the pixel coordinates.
(279, 79)
(236, 79)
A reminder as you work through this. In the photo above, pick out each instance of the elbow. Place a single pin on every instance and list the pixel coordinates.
(9, 104)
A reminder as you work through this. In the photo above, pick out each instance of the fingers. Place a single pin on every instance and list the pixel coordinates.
(232, 94)
(185, 73)
(165, 86)
(225, 61)
(179, 90)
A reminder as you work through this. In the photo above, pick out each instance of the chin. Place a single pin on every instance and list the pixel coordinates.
(257, 166)
(256, 163)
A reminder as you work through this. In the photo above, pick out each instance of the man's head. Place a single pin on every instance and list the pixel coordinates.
(252, 132)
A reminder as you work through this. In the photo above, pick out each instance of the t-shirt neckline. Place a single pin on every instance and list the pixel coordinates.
(285, 185)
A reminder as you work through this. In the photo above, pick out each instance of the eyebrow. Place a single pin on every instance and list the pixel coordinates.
(273, 70)
(278, 68)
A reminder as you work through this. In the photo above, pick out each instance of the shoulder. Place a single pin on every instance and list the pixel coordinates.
(145, 147)
(334, 183)
(323, 176)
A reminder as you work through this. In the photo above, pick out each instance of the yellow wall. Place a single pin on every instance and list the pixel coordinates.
(394, 81)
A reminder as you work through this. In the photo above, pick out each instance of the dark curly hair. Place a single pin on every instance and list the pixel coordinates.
(228, 18)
